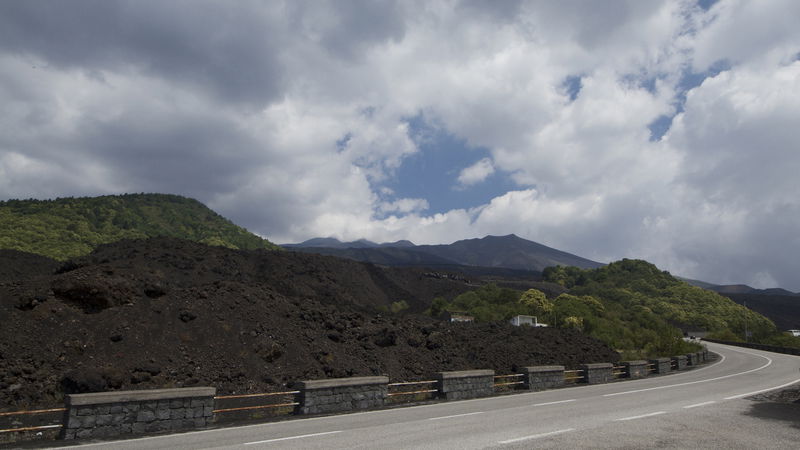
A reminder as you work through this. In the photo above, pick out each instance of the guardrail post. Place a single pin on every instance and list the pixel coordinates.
(635, 369)
(598, 372)
(465, 384)
(116, 413)
(538, 378)
(342, 394)
(680, 362)
(661, 365)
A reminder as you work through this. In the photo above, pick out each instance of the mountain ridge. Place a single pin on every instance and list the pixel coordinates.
(507, 252)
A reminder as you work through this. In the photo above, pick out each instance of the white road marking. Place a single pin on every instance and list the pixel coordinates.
(536, 436)
(456, 415)
(553, 403)
(769, 362)
(292, 437)
(762, 390)
(699, 404)
(657, 413)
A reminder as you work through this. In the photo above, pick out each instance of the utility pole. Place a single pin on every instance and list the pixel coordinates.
(746, 334)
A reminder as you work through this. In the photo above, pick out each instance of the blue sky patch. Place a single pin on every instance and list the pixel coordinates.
(432, 172)
(572, 84)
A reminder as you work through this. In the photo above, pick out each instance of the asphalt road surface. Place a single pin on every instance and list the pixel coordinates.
(706, 407)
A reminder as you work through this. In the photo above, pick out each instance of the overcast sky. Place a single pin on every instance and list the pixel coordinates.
(666, 131)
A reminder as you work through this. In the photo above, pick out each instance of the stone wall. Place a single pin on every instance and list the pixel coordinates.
(109, 414)
(465, 384)
(538, 378)
(635, 369)
(680, 362)
(598, 372)
(661, 365)
(342, 394)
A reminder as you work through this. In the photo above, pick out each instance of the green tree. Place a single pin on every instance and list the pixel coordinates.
(537, 303)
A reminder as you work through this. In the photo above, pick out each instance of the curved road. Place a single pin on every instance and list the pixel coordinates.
(701, 408)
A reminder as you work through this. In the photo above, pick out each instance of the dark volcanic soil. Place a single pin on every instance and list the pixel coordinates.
(170, 313)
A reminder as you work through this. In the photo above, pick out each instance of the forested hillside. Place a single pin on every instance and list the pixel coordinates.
(639, 285)
(69, 227)
(631, 305)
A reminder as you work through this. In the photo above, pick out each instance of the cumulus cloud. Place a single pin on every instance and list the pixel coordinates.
(293, 117)
(475, 173)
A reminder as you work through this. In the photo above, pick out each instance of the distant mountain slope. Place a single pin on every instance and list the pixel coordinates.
(509, 252)
(69, 227)
(726, 289)
(784, 310)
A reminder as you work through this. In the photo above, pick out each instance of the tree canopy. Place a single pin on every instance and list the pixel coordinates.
(67, 227)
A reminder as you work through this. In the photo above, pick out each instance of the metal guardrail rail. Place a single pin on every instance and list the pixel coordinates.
(412, 383)
(263, 394)
(508, 383)
(28, 413)
(576, 375)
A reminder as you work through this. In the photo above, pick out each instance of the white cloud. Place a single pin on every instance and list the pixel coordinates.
(475, 173)
(404, 206)
(291, 117)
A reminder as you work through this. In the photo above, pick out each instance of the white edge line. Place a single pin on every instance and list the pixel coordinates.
(763, 390)
(292, 437)
(657, 413)
(699, 404)
(456, 415)
(553, 403)
(769, 362)
(536, 436)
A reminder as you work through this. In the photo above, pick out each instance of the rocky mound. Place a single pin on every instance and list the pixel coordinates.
(169, 313)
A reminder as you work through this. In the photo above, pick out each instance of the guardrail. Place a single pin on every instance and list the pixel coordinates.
(9, 423)
(574, 376)
(396, 395)
(508, 384)
(248, 397)
(311, 397)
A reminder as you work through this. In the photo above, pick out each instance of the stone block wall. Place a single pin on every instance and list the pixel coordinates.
(691, 359)
(680, 362)
(120, 413)
(635, 369)
(465, 384)
(342, 394)
(661, 365)
(538, 378)
(598, 372)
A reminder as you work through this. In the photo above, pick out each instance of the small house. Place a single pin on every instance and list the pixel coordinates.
(520, 320)
(457, 316)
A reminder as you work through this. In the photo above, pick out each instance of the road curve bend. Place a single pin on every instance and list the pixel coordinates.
(708, 407)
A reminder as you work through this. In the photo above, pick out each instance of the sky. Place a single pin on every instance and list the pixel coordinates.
(665, 131)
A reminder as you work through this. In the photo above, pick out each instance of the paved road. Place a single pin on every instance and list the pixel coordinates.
(703, 408)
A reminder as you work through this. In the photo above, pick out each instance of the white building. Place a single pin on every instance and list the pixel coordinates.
(520, 320)
(795, 333)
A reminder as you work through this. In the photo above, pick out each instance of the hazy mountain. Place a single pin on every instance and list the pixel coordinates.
(739, 288)
(508, 252)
